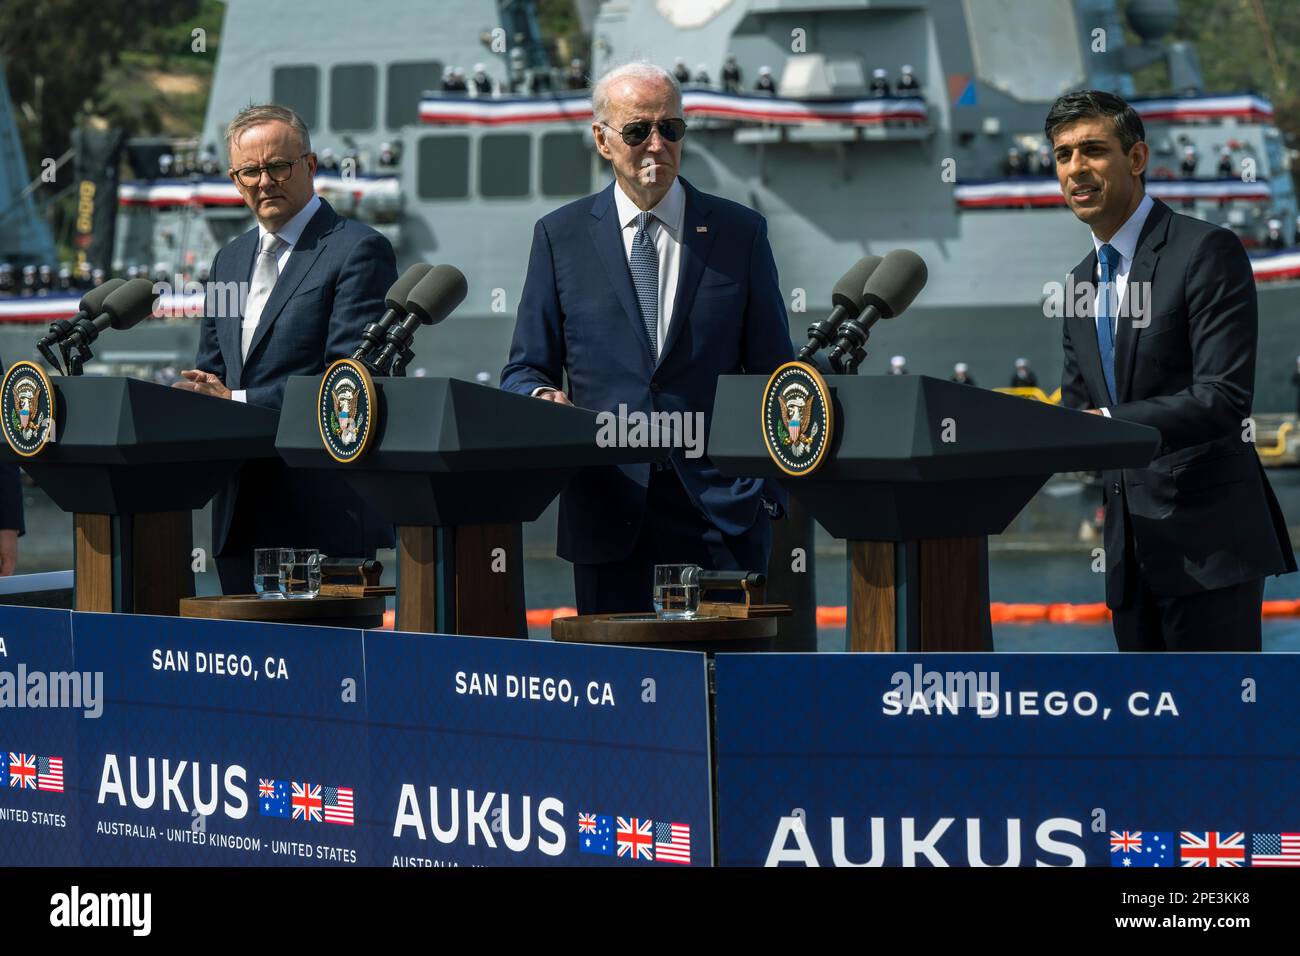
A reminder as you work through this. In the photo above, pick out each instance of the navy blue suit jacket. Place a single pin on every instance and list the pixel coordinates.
(332, 284)
(11, 495)
(579, 314)
(1201, 515)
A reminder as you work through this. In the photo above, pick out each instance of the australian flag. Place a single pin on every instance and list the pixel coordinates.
(273, 798)
(596, 834)
(1143, 848)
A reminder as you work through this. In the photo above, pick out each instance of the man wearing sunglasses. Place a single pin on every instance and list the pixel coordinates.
(643, 295)
(308, 281)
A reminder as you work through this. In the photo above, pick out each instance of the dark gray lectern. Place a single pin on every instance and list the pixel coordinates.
(457, 467)
(919, 473)
(132, 459)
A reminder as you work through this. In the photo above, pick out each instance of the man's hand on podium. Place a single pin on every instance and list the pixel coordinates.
(554, 395)
(8, 551)
(205, 383)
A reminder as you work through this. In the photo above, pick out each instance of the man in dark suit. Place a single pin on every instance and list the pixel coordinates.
(644, 294)
(11, 515)
(1170, 343)
(313, 280)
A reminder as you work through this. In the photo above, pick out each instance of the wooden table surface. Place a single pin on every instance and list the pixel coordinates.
(647, 629)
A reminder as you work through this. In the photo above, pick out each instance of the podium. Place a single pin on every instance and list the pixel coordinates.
(457, 467)
(131, 461)
(918, 474)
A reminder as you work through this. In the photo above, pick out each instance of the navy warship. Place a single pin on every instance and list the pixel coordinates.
(875, 125)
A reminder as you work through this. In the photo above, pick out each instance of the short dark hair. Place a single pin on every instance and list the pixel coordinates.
(1086, 104)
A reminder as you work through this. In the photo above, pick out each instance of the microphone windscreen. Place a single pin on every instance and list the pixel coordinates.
(129, 303)
(92, 303)
(898, 280)
(848, 291)
(437, 294)
(399, 290)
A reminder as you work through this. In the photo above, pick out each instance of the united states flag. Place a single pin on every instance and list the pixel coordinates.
(1211, 849)
(1275, 849)
(338, 805)
(634, 837)
(673, 842)
(49, 774)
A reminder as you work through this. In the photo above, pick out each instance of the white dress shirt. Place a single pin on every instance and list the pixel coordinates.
(666, 230)
(1125, 243)
(289, 234)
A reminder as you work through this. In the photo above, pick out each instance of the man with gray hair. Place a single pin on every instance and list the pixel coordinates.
(686, 290)
(312, 279)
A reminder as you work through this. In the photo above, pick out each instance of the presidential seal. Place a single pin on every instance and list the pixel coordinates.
(798, 419)
(345, 410)
(27, 407)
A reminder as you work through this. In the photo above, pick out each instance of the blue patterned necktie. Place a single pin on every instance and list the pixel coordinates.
(644, 263)
(1108, 257)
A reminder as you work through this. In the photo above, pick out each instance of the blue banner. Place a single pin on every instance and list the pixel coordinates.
(42, 702)
(504, 752)
(1008, 759)
(223, 744)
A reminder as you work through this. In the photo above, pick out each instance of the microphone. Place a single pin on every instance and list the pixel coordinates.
(123, 308)
(433, 299)
(847, 299)
(722, 580)
(395, 303)
(898, 280)
(87, 308)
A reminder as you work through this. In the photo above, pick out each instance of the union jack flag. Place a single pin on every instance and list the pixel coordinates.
(1211, 849)
(586, 823)
(22, 771)
(306, 802)
(635, 838)
(265, 788)
(1126, 841)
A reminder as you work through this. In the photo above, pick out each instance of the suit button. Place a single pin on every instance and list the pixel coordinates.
(655, 387)
(1115, 488)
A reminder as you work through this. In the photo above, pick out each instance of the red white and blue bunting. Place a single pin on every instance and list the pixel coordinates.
(222, 192)
(1244, 107)
(49, 308)
(1045, 191)
(576, 108)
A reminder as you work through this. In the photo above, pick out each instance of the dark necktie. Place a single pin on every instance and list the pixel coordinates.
(644, 263)
(1107, 298)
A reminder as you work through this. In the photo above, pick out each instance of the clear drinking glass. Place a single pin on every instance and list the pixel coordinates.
(674, 598)
(300, 572)
(267, 565)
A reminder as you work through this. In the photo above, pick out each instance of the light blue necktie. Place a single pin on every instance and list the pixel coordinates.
(1108, 257)
(644, 263)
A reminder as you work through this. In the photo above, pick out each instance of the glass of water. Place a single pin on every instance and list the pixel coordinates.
(300, 572)
(267, 563)
(674, 598)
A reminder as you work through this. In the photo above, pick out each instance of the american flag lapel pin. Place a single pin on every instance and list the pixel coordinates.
(701, 228)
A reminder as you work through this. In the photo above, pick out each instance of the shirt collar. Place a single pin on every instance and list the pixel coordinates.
(671, 210)
(291, 231)
(1125, 240)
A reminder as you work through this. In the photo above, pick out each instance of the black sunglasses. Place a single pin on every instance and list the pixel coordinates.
(634, 134)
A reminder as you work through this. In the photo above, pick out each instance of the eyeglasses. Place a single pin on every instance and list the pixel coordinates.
(279, 172)
(634, 134)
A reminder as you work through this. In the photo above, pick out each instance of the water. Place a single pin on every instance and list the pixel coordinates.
(676, 602)
(267, 585)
